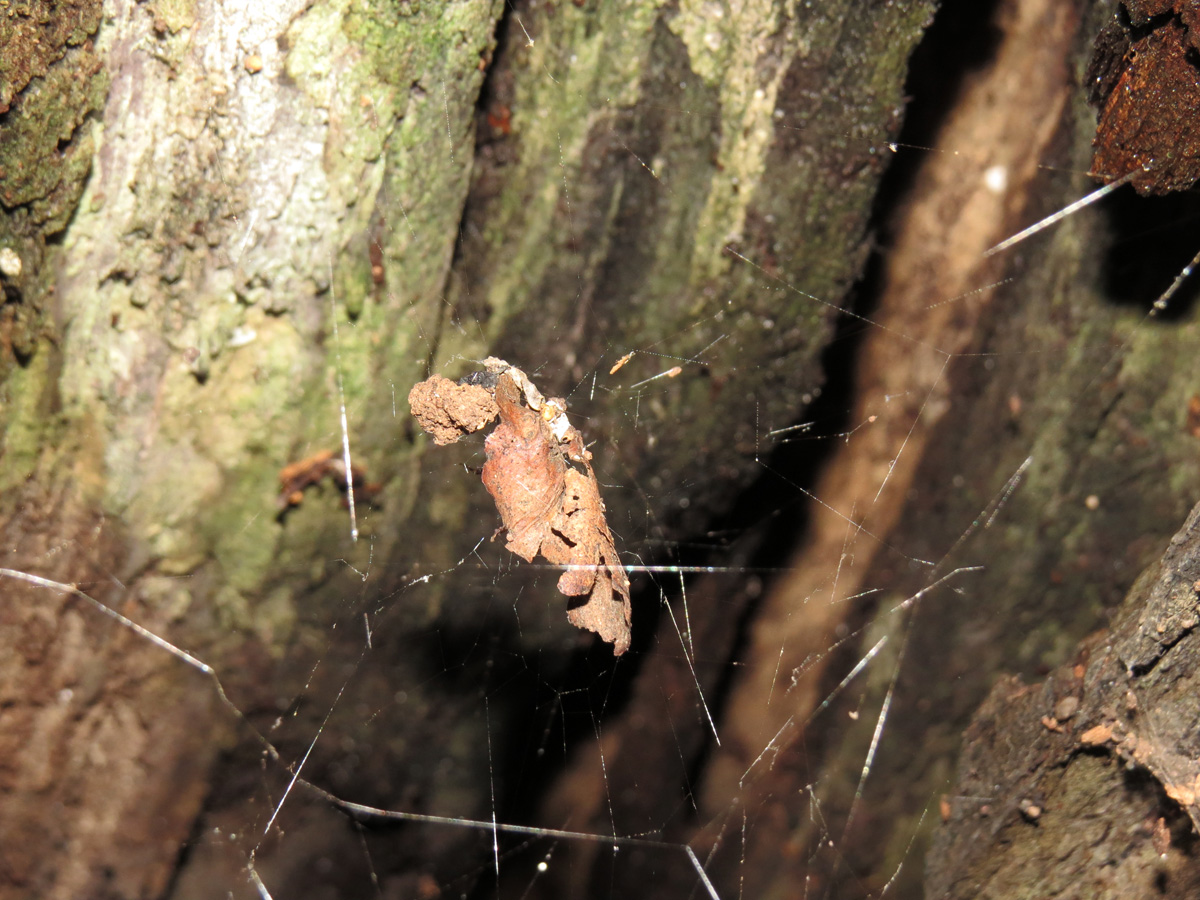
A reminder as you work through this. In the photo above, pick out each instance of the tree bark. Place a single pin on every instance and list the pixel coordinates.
(1053, 451)
(229, 228)
(1019, 449)
(270, 199)
(1087, 783)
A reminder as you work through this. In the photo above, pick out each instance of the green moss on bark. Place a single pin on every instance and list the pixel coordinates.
(689, 183)
(51, 84)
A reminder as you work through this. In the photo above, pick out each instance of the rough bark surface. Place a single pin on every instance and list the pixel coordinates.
(267, 235)
(1036, 428)
(1088, 784)
(296, 210)
(1075, 468)
(52, 84)
(713, 165)
(1146, 80)
(226, 230)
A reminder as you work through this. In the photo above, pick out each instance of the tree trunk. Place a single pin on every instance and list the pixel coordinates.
(1086, 785)
(278, 218)
(232, 235)
(1019, 448)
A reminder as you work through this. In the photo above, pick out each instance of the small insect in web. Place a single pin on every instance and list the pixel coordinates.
(1145, 81)
(296, 477)
(621, 362)
(540, 475)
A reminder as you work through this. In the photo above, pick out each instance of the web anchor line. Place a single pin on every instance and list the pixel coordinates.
(355, 809)
(374, 812)
(1068, 210)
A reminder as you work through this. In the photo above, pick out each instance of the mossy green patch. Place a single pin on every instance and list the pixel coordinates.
(51, 83)
(45, 153)
(689, 174)
(26, 418)
(252, 376)
(36, 34)
(174, 15)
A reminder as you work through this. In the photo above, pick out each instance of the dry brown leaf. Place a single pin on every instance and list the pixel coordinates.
(541, 477)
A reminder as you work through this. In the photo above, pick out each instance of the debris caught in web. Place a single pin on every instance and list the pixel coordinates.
(540, 475)
(296, 477)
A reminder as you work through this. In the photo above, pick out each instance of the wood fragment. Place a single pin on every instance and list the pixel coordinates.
(1146, 81)
(295, 478)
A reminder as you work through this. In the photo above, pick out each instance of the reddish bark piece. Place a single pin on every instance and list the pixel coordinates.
(1148, 116)
(295, 477)
(541, 477)
(1142, 11)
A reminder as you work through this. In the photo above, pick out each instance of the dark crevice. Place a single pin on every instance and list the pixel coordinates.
(961, 39)
(1153, 239)
(492, 155)
(760, 530)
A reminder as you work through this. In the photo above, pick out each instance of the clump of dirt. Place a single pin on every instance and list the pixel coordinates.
(447, 410)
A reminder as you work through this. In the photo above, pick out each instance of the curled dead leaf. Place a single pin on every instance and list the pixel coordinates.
(540, 476)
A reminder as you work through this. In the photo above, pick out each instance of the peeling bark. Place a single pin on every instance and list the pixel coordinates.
(1088, 784)
(1146, 80)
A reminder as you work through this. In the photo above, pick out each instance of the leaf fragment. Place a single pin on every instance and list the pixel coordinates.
(540, 475)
